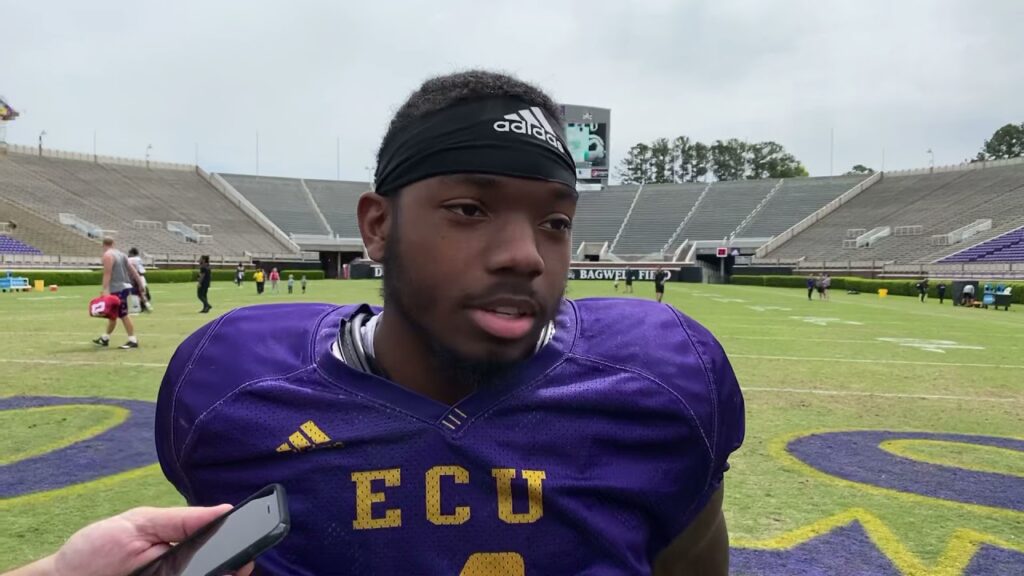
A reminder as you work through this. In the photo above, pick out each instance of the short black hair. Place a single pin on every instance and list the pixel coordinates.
(442, 92)
(133, 252)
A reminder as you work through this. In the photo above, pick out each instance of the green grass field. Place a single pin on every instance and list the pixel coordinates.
(805, 367)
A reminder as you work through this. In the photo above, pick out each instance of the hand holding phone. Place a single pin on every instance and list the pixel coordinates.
(230, 541)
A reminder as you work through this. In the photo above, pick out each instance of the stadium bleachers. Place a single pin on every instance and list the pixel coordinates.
(658, 212)
(10, 245)
(114, 197)
(337, 201)
(1006, 248)
(939, 203)
(724, 208)
(599, 214)
(282, 200)
(796, 199)
(46, 235)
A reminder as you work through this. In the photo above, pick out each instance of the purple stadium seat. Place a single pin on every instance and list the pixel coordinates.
(9, 245)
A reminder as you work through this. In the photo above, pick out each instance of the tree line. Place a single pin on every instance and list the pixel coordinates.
(665, 161)
(684, 160)
(1006, 142)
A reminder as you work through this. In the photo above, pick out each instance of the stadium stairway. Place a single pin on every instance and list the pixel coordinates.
(114, 197)
(600, 213)
(939, 203)
(655, 216)
(282, 200)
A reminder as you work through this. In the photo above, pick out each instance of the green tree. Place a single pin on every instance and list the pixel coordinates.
(699, 161)
(1007, 142)
(636, 167)
(662, 162)
(860, 169)
(729, 159)
(770, 160)
(681, 159)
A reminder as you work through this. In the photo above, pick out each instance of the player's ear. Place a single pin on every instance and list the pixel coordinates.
(375, 220)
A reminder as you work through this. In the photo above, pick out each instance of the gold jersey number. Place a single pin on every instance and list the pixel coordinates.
(494, 564)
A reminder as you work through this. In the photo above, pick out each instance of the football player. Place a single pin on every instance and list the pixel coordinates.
(478, 423)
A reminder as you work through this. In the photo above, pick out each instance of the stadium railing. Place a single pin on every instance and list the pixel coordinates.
(236, 198)
(818, 215)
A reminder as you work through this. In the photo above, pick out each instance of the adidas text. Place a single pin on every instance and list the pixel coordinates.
(522, 127)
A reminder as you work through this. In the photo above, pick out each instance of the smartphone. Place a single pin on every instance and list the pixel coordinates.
(229, 542)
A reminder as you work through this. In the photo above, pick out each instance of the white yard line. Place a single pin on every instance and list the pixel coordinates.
(879, 394)
(809, 338)
(99, 326)
(82, 362)
(867, 304)
(874, 361)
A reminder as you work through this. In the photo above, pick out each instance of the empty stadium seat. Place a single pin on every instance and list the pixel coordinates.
(939, 203)
(282, 200)
(113, 197)
(599, 214)
(658, 211)
(337, 201)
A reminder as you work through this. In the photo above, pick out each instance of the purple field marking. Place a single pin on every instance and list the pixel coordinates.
(856, 456)
(119, 449)
(845, 550)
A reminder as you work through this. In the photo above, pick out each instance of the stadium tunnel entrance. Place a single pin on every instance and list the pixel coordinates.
(336, 265)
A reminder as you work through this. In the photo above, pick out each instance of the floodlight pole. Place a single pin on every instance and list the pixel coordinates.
(41, 134)
(148, 148)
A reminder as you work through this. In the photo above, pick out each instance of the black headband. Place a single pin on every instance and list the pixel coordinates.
(503, 136)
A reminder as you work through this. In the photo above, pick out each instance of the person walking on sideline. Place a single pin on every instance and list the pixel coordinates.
(204, 283)
(826, 284)
(257, 277)
(922, 289)
(291, 283)
(302, 283)
(118, 279)
(660, 277)
(810, 287)
(942, 292)
(136, 261)
(239, 274)
(275, 277)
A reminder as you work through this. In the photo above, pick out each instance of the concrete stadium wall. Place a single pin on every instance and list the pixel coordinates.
(957, 167)
(82, 157)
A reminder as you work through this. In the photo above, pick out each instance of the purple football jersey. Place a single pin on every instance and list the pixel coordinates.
(588, 459)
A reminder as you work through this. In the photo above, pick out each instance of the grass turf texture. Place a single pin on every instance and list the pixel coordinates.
(805, 366)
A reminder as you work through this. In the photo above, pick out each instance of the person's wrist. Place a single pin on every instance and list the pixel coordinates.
(42, 567)
(49, 566)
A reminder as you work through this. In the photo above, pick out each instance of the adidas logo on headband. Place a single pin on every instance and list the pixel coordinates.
(530, 121)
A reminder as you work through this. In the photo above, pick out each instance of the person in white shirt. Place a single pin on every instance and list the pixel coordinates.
(136, 262)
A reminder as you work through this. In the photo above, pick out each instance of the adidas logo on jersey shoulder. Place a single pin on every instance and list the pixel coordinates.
(308, 437)
(530, 121)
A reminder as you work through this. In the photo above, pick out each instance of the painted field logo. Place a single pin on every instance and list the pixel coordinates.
(123, 447)
(858, 542)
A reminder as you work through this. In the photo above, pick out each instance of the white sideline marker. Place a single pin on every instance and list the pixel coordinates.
(823, 321)
(939, 346)
(879, 394)
(874, 361)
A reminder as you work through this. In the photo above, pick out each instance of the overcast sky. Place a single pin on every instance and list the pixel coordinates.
(903, 76)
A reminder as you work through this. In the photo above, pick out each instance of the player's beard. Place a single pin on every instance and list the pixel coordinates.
(469, 373)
